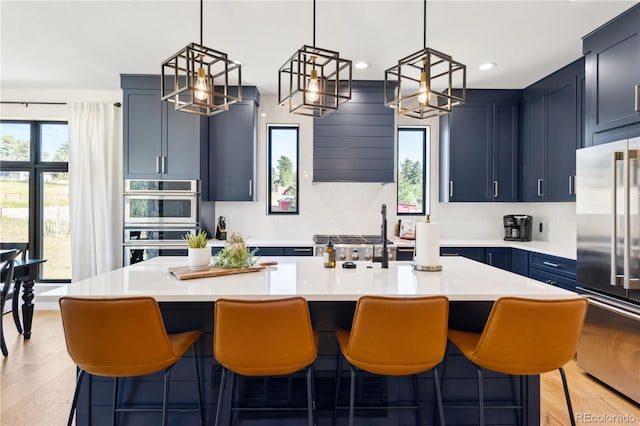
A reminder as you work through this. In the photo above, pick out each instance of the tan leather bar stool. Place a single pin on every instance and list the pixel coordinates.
(124, 337)
(524, 337)
(264, 338)
(394, 336)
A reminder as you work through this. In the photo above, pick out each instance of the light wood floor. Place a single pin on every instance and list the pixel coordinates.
(37, 382)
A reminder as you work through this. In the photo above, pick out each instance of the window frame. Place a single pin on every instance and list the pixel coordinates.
(426, 168)
(270, 128)
(36, 169)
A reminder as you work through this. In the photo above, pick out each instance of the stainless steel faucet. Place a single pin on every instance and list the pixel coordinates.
(384, 257)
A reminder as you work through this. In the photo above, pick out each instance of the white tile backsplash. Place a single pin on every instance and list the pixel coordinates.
(354, 208)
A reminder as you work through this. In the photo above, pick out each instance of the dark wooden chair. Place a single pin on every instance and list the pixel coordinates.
(14, 291)
(7, 258)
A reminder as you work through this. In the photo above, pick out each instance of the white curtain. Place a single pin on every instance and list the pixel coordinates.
(95, 182)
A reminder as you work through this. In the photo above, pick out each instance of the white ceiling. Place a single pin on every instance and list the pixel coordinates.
(86, 45)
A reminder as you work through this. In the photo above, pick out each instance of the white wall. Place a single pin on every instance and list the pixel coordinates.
(354, 208)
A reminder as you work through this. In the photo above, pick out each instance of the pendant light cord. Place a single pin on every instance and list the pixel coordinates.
(314, 23)
(425, 24)
(201, 3)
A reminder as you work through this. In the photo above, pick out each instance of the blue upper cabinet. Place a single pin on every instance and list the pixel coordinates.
(232, 150)
(478, 148)
(551, 131)
(355, 143)
(612, 68)
(159, 142)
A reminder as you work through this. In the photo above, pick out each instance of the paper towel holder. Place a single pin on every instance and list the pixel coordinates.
(428, 268)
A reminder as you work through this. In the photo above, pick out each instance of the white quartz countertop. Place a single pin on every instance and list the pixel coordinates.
(567, 251)
(460, 279)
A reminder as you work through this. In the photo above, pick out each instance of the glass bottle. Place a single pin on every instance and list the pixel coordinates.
(329, 255)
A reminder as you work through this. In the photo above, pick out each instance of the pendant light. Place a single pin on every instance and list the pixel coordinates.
(314, 81)
(200, 80)
(422, 84)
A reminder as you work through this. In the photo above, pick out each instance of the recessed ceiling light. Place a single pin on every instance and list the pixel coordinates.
(361, 65)
(487, 66)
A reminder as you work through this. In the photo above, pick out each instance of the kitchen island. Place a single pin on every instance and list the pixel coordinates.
(470, 286)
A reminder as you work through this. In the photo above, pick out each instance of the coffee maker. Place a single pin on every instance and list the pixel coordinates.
(517, 227)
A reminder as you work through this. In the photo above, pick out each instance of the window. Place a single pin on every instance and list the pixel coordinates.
(282, 160)
(34, 192)
(413, 161)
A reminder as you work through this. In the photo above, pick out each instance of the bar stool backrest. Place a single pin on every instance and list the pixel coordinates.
(528, 336)
(116, 337)
(398, 336)
(264, 337)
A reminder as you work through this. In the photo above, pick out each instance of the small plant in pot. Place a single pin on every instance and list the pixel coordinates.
(199, 253)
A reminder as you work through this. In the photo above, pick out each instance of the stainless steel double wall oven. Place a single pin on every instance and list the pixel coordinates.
(157, 213)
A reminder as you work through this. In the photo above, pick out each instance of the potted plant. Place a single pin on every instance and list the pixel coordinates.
(199, 253)
(235, 254)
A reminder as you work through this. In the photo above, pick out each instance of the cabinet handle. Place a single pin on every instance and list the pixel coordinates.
(553, 265)
(404, 250)
(572, 185)
(450, 254)
(450, 188)
(490, 255)
(495, 189)
(540, 187)
(303, 250)
(164, 164)
(250, 187)
(158, 164)
(637, 108)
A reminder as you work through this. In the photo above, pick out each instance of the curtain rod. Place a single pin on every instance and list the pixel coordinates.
(26, 104)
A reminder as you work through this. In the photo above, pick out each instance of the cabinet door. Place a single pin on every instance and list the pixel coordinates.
(532, 157)
(181, 144)
(561, 142)
(613, 73)
(232, 152)
(504, 185)
(500, 257)
(142, 134)
(520, 262)
(470, 152)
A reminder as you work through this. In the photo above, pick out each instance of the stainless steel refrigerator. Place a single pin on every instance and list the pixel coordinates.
(608, 262)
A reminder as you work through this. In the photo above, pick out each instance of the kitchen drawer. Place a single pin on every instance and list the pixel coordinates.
(298, 251)
(553, 279)
(552, 264)
(404, 253)
(268, 251)
(474, 253)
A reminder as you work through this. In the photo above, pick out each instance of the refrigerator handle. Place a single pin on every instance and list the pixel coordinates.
(614, 218)
(629, 282)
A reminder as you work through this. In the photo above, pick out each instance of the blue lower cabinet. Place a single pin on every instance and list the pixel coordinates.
(553, 270)
(520, 262)
(474, 253)
(500, 257)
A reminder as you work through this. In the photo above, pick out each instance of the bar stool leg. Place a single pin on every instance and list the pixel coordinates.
(566, 395)
(480, 397)
(352, 394)
(220, 396)
(436, 379)
(14, 306)
(310, 398)
(114, 415)
(197, 369)
(165, 399)
(335, 405)
(75, 397)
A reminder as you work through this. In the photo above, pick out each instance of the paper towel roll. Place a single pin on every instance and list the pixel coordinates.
(427, 251)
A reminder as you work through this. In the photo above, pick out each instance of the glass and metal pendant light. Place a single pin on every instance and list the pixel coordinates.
(200, 80)
(426, 83)
(314, 81)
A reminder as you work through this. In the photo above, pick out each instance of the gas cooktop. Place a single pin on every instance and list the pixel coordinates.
(349, 239)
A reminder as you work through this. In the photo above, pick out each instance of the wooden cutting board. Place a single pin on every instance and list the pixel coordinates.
(185, 273)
